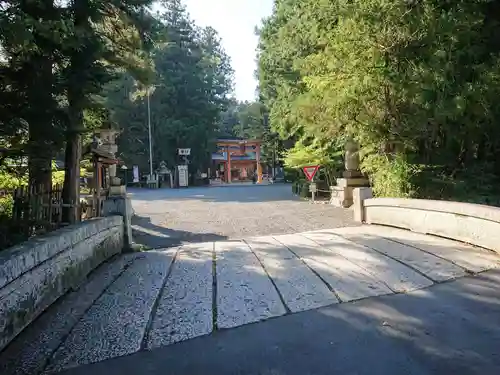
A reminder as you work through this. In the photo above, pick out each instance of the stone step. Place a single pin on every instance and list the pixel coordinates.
(115, 325)
(32, 349)
(299, 287)
(432, 266)
(473, 259)
(398, 277)
(185, 305)
(245, 294)
(348, 280)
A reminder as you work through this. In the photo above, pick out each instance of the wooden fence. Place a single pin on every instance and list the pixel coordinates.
(36, 210)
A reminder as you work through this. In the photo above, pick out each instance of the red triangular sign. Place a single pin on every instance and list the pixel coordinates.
(310, 171)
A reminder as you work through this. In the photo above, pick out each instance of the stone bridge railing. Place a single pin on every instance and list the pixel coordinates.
(34, 274)
(471, 223)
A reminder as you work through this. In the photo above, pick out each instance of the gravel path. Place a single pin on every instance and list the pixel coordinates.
(169, 217)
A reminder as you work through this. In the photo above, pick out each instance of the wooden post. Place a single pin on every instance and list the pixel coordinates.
(41, 209)
(49, 210)
(98, 189)
(60, 203)
(17, 205)
(228, 165)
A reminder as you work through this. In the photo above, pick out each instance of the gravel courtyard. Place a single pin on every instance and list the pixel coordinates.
(169, 217)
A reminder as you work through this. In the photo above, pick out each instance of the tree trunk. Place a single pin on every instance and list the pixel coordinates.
(41, 124)
(71, 188)
(80, 63)
(39, 164)
(40, 93)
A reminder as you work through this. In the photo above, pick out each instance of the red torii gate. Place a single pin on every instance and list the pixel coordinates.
(240, 147)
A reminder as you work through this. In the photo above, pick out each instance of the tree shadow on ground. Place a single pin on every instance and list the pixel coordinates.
(448, 328)
(145, 233)
(451, 328)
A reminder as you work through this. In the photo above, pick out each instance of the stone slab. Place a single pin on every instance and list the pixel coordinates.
(300, 288)
(348, 280)
(432, 266)
(352, 181)
(30, 351)
(185, 306)
(20, 259)
(115, 325)
(245, 294)
(352, 174)
(471, 258)
(394, 274)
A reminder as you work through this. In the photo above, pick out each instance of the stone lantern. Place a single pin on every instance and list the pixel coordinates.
(108, 144)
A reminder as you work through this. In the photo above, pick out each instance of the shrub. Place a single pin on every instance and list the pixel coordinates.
(6, 206)
(390, 177)
(9, 181)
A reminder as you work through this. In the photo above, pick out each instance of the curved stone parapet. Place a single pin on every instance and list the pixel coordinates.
(471, 223)
(34, 274)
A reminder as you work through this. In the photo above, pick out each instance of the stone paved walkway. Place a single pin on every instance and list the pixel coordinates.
(152, 299)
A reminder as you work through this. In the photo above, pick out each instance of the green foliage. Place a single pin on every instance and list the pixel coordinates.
(250, 120)
(328, 157)
(301, 188)
(292, 174)
(415, 82)
(9, 181)
(58, 178)
(391, 177)
(56, 58)
(6, 206)
(8, 235)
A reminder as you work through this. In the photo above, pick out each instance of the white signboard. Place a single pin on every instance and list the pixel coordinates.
(136, 173)
(184, 151)
(183, 175)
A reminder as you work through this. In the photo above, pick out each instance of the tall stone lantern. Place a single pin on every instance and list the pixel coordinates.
(352, 177)
(117, 202)
(108, 144)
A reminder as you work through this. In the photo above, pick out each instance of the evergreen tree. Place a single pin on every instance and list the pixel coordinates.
(413, 81)
(104, 36)
(30, 40)
(189, 92)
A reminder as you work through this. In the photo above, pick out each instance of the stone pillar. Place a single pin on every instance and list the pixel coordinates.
(121, 205)
(359, 195)
(342, 194)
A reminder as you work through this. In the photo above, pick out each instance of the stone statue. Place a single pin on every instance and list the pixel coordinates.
(342, 193)
(351, 156)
